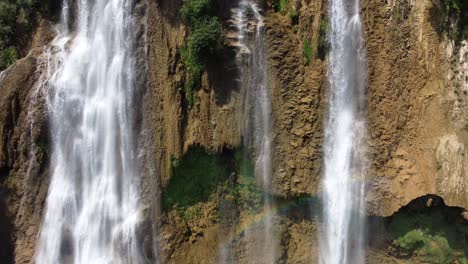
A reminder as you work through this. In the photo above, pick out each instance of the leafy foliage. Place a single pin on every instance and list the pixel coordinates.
(205, 32)
(16, 21)
(8, 56)
(198, 176)
(194, 178)
(432, 249)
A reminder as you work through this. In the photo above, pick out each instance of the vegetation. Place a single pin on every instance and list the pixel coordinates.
(8, 56)
(203, 40)
(294, 15)
(281, 5)
(456, 19)
(199, 176)
(322, 47)
(249, 195)
(466, 127)
(307, 51)
(433, 236)
(16, 22)
(323, 44)
(194, 178)
(432, 249)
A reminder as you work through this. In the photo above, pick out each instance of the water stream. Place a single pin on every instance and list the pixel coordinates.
(92, 211)
(257, 125)
(342, 239)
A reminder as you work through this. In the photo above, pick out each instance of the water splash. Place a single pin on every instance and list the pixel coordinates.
(342, 239)
(92, 211)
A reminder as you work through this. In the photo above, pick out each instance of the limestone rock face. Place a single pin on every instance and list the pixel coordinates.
(416, 107)
(24, 151)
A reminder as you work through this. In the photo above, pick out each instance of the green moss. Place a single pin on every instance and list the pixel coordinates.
(202, 42)
(194, 178)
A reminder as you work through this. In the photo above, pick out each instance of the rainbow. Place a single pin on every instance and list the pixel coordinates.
(278, 208)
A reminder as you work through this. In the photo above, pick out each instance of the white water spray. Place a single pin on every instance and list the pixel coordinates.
(92, 210)
(342, 239)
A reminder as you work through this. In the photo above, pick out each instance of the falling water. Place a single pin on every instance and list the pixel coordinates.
(258, 125)
(342, 237)
(92, 206)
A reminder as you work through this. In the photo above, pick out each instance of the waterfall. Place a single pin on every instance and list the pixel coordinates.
(252, 62)
(92, 209)
(342, 239)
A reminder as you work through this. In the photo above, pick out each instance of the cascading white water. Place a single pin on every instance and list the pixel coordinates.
(342, 239)
(92, 210)
(252, 63)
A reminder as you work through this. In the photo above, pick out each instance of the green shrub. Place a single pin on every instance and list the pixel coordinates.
(202, 42)
(411, 241)
(307, 51)
(195, 11)
(432, 236)
(8, 56)
(431, 249)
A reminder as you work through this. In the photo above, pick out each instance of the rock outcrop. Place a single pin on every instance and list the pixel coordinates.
(24, 150)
